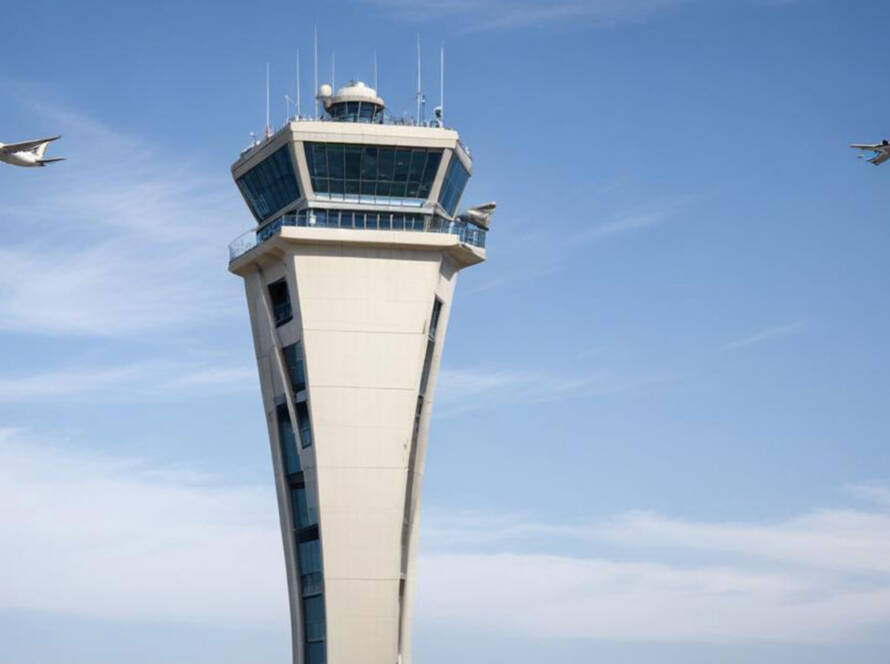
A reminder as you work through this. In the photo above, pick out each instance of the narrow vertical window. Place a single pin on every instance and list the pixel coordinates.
(304, 423)
(305, 514)
(296, 366)
(434, 319)
(310, 568)
(282, 310)
(289, 455)
(313, 614)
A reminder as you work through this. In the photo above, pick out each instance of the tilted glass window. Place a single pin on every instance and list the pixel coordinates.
(282, 311)
(372, 173)
(434, 319)
(304, 423)
(270, 185)
(289, 455)
(315, 652)
(456, 179)
(313, 618)
(296, 366)
(310, 567)
(305, 515)
(354, 111)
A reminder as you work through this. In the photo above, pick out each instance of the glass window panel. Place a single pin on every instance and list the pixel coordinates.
(293, 358)
(403, 164)
(303, 515)
(321, 159)
(432, 165)
(353, 161)
(310, 157)
(289, 455)
(427, 364)
(371, 221)
(384, 189)
(453, 185)
(304, 423)
(385, 221)
(270, 185)
(434, 319)
(418, 161)
(386, 163)
(335, 160)
(281, 304)
(309, 556)
(369, 163)
(368, 188)
(398, 189)
(313, 618)
(315, 652)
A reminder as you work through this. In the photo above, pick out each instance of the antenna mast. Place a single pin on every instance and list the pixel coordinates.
(268, 122)
(375, 74)
(333, 70)
(442, 86)
(315, 91)
(419, 85)
(299, 104)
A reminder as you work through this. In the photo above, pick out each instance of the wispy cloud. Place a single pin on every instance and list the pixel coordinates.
(626, 224)
(109, 537)
(117, 244)
(768, 334)
(878, 494)
(819, 577)
(460, 390)
(125, 382)
(467, 389)
(511, 14)
(99, 536)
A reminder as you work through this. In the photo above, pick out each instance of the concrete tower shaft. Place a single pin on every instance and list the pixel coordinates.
(349, 276)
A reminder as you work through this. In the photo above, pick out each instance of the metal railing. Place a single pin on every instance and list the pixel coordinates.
(356, 220)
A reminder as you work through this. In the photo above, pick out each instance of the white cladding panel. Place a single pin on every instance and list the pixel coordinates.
(362, 314)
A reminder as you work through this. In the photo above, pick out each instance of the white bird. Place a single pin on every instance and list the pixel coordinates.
(28, 154)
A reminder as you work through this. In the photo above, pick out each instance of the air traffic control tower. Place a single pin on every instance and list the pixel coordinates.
(350, 273)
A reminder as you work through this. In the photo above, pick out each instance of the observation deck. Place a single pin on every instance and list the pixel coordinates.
(356, 169)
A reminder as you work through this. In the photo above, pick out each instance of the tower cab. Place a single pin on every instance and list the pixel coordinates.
(354, 102)
(358, 169)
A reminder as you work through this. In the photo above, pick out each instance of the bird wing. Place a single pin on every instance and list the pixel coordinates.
(881, 158)
(863, 146)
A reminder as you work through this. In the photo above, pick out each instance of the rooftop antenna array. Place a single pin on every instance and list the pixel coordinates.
(375, 73)
(333, 70)
(268, 121)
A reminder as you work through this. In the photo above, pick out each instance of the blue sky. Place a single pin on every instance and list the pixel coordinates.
(661, 430)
